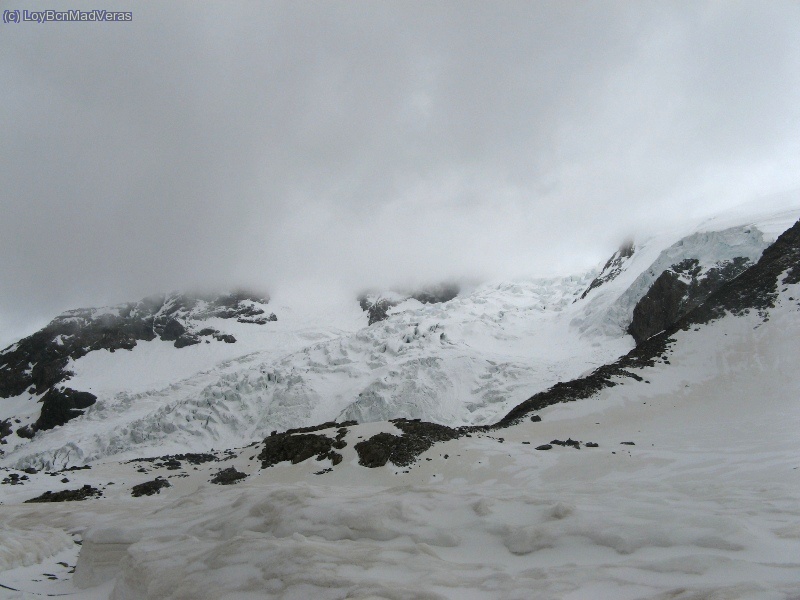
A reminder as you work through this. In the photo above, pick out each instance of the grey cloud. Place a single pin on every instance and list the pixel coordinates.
(367, 143)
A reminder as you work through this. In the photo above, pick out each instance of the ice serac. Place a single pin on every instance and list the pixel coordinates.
(377, 305)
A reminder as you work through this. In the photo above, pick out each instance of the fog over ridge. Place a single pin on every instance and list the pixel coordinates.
(361, 144)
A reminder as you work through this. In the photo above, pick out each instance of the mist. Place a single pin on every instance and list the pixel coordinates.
(346, 145)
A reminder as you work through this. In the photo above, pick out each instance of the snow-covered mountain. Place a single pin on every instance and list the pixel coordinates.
(187, 373)
(667, 471)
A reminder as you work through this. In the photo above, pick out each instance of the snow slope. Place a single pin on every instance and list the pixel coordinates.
(702, 504)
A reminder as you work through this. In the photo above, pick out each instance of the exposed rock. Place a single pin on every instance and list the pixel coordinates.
(220, 337)
(257, 320)
(568, 442)
(677, 291)
(149, 488)
(172, 330)
(612, 268)
(377, 310)
(295, 448)
(326, 425)
(84, 493)
(228, 476)
(187, 339)
(376, 451)
(418, 436)
(61, 405)
(174, 460)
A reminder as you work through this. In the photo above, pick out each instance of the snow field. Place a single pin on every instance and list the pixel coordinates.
(703, 505)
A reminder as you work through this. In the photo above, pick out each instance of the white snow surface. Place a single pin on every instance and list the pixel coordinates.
(704, 505)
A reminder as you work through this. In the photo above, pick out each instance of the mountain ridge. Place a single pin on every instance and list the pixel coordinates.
(465, 362)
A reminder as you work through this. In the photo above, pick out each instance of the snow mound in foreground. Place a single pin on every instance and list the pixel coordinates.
(21, 548)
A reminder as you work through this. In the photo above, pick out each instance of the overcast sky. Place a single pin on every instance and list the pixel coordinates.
(372, 143)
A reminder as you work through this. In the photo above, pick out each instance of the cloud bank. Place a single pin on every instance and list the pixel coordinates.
(372, 143)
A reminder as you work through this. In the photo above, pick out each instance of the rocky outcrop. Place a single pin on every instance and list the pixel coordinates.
(228, 476)
(297, 447)
(61, 405)
(377, 310)
(612, 268)
(172, 330)
(402, 450)
(258, 320)
(84, 493)
(678, 290)
(149, 488)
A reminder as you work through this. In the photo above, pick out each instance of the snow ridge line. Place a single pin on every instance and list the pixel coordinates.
(755, 288)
